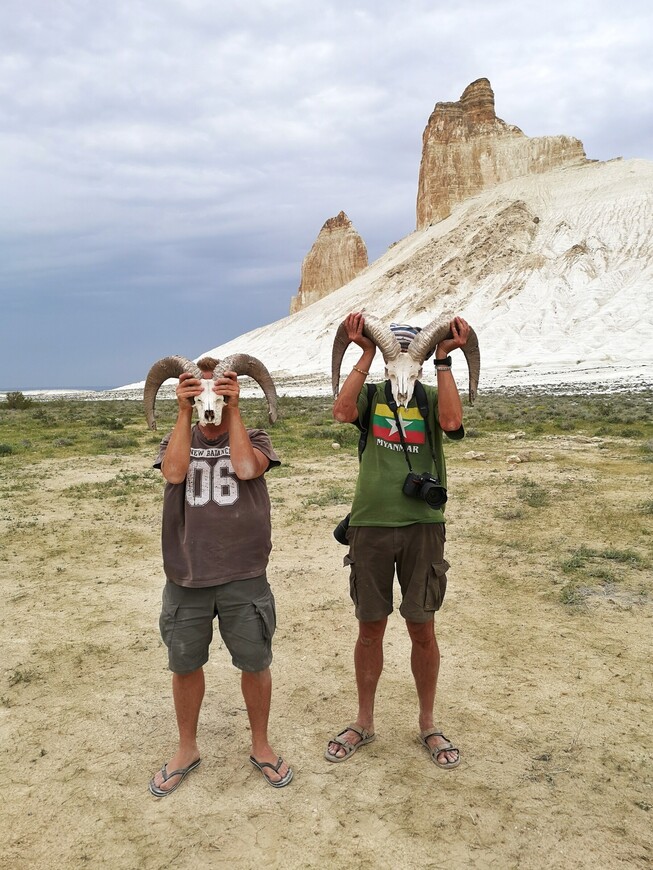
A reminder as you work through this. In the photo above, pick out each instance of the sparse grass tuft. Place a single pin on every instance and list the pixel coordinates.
(510, 514)
(21, 675)
(121, 486)
(533, 494)
(629, 557)
(572, 596)
(582, 555)
(333, 494)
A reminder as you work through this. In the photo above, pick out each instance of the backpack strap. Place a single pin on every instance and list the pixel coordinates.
(420, 397)
(364, 424)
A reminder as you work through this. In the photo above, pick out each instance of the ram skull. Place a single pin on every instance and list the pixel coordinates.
(209, 406)
(404, 368)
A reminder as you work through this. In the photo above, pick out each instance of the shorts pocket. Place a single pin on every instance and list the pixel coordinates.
(266, 609)
(349, 562)
(436, 585)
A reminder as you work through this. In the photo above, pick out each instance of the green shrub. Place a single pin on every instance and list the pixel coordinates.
(117, 441)
(41, 415)
(18, 400)
(6, 449)
(114, 424)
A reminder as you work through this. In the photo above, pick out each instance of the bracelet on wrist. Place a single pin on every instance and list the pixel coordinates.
(360, 371)
(443, 362)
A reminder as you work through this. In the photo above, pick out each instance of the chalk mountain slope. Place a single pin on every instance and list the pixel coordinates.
(554, 272)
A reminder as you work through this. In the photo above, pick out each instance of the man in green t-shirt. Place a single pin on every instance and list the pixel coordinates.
(390, 530)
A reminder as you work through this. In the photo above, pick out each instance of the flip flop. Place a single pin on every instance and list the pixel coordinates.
(275, 767)
(350, 748)
(434, 751)
(183, 772)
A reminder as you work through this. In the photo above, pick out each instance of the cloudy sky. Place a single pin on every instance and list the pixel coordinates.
(165, 165)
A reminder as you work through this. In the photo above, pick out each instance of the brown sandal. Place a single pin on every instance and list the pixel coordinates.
(350, 748)
(434, 751)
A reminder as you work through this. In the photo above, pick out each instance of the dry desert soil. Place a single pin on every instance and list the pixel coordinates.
(545, 682)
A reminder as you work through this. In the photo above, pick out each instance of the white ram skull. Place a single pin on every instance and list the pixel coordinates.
(209, 405)
(403, 369)
(402, 372)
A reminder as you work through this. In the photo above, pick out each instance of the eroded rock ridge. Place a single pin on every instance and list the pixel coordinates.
(467, 149)
(337, 256)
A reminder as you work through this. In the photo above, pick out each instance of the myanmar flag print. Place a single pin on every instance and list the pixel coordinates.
(384, 425)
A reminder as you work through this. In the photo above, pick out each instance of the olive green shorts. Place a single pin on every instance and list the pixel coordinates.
(246, 621)
(417, 554)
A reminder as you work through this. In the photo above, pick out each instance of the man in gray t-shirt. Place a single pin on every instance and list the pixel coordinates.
(216, 542)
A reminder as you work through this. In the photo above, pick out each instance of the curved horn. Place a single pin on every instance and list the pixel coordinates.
(426, 341)
(168, 367)
(376, 331)
(340, 345)
(244, 364)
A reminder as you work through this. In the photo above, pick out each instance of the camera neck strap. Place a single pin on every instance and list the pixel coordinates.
(422, 404)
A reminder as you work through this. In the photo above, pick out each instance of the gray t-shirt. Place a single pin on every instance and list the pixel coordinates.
(216, 528)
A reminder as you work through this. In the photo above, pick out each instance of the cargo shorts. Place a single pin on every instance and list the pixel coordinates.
(415, 551)
(246, 621)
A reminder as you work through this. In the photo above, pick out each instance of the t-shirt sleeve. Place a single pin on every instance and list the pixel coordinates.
(261, 440)
(163, 446)
(456, 434)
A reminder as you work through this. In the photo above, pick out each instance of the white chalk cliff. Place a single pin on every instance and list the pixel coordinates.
(554, 271)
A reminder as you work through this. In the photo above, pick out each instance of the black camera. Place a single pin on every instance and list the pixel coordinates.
(425, 486)
(340, 531)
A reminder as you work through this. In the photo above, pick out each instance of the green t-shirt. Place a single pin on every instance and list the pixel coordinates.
(379, 500)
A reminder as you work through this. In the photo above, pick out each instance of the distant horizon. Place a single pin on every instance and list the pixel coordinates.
(5, 390)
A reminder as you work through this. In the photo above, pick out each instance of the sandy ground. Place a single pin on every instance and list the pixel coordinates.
(550, 704)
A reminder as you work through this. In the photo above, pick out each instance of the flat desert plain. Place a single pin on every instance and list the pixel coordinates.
(545, 682)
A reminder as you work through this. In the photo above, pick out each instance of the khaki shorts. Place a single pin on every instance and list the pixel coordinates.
(417, 553)
(246, 620)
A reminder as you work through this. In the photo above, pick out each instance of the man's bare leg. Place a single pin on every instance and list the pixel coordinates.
(257, 692)
(425, 665)
(188, 693)
(368, 664)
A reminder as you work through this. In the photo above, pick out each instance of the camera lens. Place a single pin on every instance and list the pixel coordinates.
(433, 494)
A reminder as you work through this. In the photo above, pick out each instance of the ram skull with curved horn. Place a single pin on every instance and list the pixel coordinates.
(209, 406)
(403, 369)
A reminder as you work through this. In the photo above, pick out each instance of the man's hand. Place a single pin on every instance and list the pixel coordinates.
(354, 323)
(460, 332)
(186, 390)
(228, 387)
